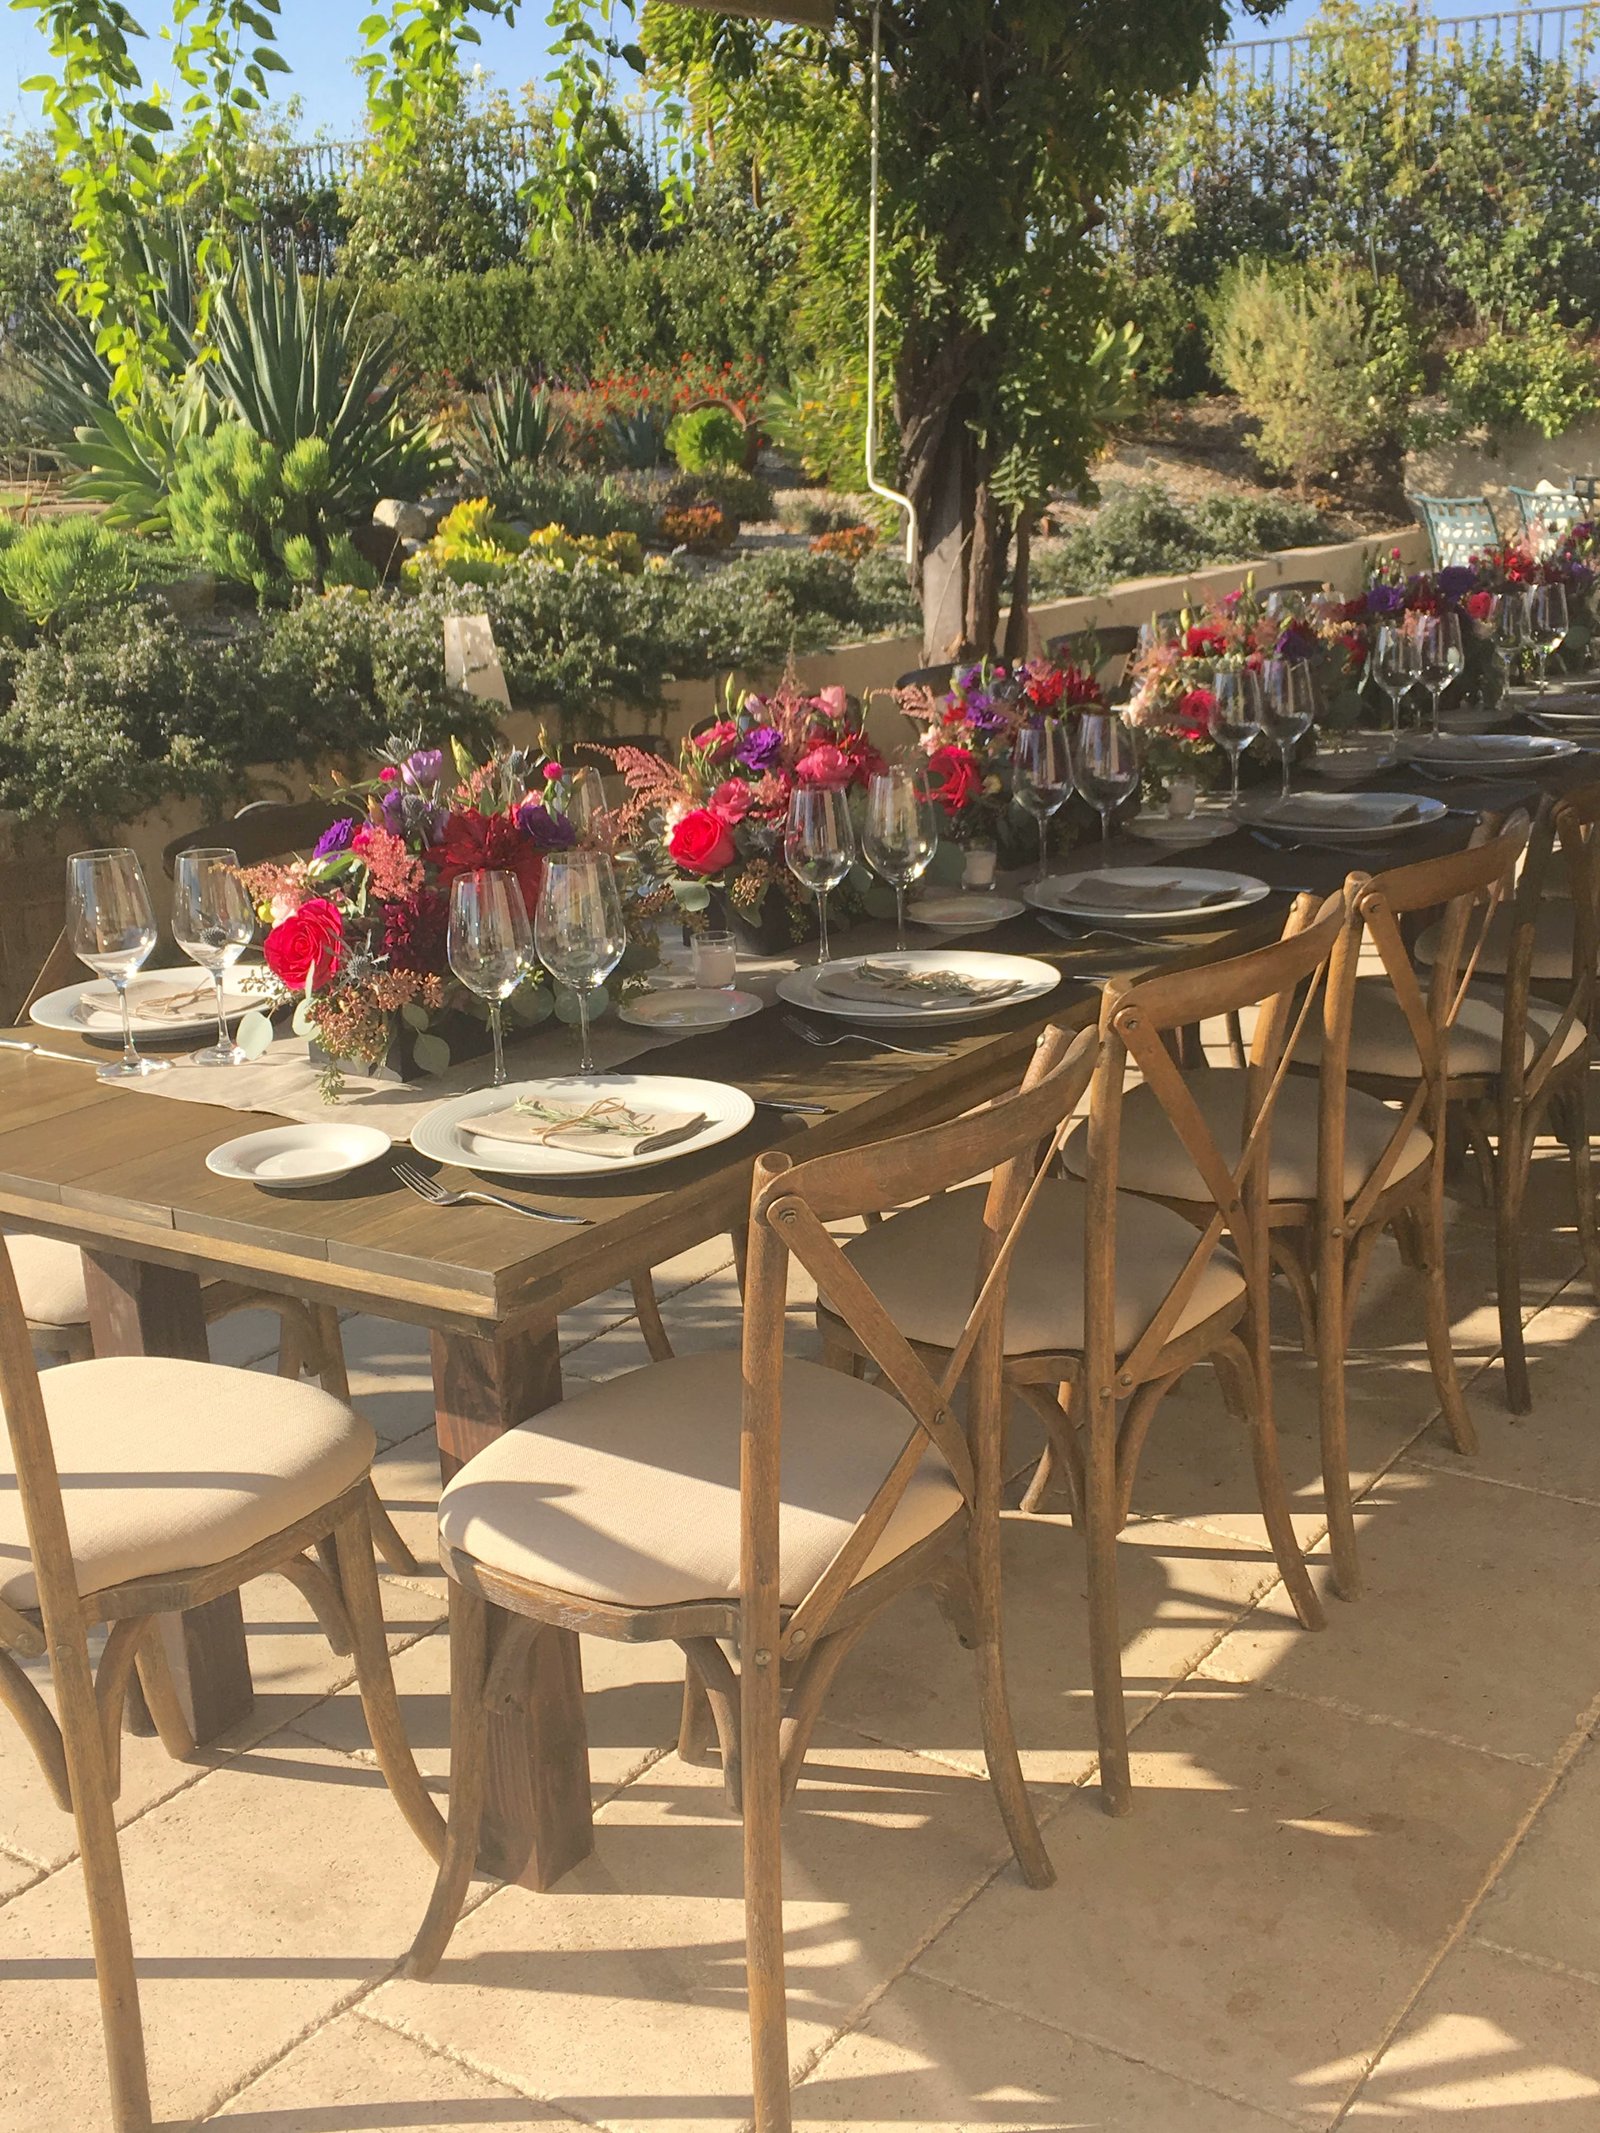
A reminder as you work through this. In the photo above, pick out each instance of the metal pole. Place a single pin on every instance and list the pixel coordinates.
(878, 488)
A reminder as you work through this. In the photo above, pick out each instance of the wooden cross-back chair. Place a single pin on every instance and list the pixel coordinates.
(1114, 1299)
(126, 1503)
(748, 1505)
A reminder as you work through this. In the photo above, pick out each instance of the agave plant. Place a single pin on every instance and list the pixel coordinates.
(637, 440)
(514, 426)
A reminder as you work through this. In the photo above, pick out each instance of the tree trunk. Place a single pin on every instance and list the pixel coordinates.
(991, 531)
(1017, 620)
(944, 534)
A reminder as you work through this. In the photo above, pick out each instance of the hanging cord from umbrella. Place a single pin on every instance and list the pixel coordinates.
(877, 487)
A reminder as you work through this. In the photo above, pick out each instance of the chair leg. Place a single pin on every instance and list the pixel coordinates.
(469, 1770)
(1332, 1418)
(648, 1311)
(387, 1537)
(697, 1732)
(1509, 1182)
(761, 1711)
(994, 1703)
(1252, 1389)
(1575, 1119)
(333, 1375)
(1105, 1634)
(358, 1581)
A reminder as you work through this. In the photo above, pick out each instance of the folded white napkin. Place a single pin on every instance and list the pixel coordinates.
(1161, 893)
(1344, 810)
(179, 1002)
(600, 1125)
(913, 988)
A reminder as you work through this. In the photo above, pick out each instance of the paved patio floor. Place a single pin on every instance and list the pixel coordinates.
(1359, 1885)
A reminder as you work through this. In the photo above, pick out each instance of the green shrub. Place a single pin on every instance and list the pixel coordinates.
(1234, 528)
(745, 496)
(60, 569)
(820, 418)
(261, 517)
(1539, 374)
(706, 439)
(1142, 532)
(582, 503)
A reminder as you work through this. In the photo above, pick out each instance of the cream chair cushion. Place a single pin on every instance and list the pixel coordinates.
(1381, 1040)
(171, 1465)
(49, 1279)
(630, 1492)
(1153, 1159)
(922, 1264)
(1552, 942)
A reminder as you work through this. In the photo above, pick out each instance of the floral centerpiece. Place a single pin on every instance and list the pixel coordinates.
(357, 931)
(710, 825)
(1392, 595)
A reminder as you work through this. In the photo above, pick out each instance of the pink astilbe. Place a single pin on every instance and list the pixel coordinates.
(395, 873)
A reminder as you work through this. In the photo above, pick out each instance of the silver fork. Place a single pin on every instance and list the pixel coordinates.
(438, 1195)
(809, 1035)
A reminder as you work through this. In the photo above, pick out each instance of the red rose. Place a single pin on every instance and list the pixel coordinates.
(1479, 605)
(1194, 715)
(308, 943)
(1203, 638)
(470, 842)
(954, 778)
(702, 843)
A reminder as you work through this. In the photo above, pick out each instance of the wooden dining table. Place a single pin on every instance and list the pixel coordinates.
(124, 1176)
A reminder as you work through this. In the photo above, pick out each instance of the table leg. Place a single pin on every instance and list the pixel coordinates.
(537, 1820)
(139, 1309)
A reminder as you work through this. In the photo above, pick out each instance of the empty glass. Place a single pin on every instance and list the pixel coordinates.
(1234, 719)
(1439, 654)
(1041, 777)
(819, 846)
(1288, 707)
(1105, 764)
(579, 930)
(902, 834)
(112, 927)
(213, 922)
(1510, 623)
(1547, 623)
(587, 799)
(490, 947)
(1394, 667)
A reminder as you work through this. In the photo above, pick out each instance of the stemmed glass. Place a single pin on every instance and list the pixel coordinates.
(112, 926)
(1440, 655)
(902, 834)
(819, 846)
(587, 800)
(213, 923)
(1289, 706)
(1393, 668)
(1234, 719)
(1547, 623)
(1511, 630)
(579, 930)
(1105, 764)
(1041, 777)
(489, 945)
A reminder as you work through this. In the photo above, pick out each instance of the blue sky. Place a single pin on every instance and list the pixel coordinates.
(318, 38)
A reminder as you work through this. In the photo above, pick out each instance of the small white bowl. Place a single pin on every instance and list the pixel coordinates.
(298, 1155)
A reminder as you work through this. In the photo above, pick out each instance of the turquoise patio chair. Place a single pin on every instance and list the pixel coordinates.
(1458, 527)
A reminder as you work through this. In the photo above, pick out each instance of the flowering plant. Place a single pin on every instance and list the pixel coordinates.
(358, 930)
(715, 817)
(968, 734)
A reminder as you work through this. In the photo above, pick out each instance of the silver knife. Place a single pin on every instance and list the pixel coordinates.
(42, 1051)
(780, 1103)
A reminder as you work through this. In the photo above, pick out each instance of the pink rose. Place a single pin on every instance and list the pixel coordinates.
(731, 801)
(833, 700)
(824, 765)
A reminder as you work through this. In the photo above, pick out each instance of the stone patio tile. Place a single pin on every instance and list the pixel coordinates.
(1284, 1879)
(391, 1380)
(1544, 1902)
(406, 1476)
(631, 1702)
(243, 1337)
(1477, 1620)
(911, 1683)
(1557, 1447)
(15, 1873)
(1494, 2044)
(355, 2075)
(930, 2057)
(620, 1995)
(262, 1900)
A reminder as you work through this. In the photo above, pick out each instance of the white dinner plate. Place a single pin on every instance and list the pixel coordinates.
(686, 1007)
(1195, 892)
(727, 1111)
(298, 1155)
(1488, 755)
(1032, 978)
(1179, 833)
(966, 911)
(1348, 817)
(89, 1008)
(1568, 725)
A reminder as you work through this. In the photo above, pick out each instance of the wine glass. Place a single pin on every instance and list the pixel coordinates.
(819, 846)
(112, 926)
(213, 923)
(1234, 719)
(586, 799)
(1547, 623)
(902, 834)
(1288, 707)
(1440, 655)
(1041, 776)
(489, 945)
(579, 930)
(1511, 629)
(1105, 764)
(1394, 667)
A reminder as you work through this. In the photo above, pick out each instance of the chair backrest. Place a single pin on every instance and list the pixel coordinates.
(38, 1485)
(1550, 512)
(1107, 651)
(1458, 527)
(935, 678)
(1282, 981)
(791, 1206)
(1531, 1052)
(266, 829)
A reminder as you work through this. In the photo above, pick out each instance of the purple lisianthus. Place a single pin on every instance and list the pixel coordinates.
(759, 749)
(1385, 599)
(424, 769)
(335, 838)
(545, 830)
(1456, 580)
(1296, 642)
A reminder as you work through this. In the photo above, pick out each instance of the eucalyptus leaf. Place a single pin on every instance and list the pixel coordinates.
(691, 895)
(413, 1016)
(304, 1021)
(254, 1033)
(431, 1054)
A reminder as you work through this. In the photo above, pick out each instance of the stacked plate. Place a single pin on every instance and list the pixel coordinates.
(582, 1126)
(1486, 755)
(1338, 818)
(1151, 896)
(161, 1003)
(965, 910)
(929, 987)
